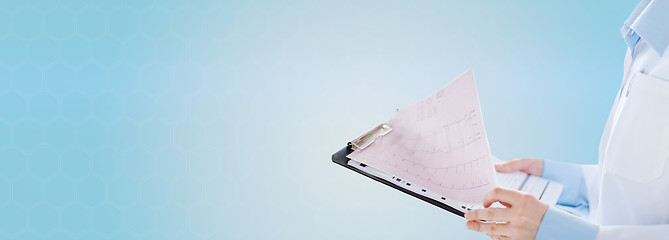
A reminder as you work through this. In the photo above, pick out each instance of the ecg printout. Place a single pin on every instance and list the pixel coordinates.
(438, 143)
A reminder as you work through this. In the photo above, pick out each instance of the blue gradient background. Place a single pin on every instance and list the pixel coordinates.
(209, 119)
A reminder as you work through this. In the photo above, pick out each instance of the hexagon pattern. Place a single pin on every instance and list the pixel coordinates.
(107, 111)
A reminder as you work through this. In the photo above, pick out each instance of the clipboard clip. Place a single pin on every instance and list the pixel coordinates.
(369, 137)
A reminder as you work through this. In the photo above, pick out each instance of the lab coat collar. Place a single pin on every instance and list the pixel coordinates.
(649, 20)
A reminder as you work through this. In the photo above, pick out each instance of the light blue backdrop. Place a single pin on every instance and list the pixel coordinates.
(206, 119)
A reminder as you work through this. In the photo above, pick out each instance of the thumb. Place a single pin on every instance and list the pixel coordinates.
(510, 166)
(503, 167)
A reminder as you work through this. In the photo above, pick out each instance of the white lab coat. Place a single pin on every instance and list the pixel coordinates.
(629, 190)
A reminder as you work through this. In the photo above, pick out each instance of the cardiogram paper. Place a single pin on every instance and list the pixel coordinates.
(438, 143)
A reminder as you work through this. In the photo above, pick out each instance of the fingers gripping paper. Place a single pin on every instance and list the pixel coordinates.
(438, 143)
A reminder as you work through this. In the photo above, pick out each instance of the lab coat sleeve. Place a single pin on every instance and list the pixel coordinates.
(633, 232)
(574, 197)
(558, 224)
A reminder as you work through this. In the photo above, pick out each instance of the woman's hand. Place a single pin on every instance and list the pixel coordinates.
(523, 213)
(519, 220)
(527, 165)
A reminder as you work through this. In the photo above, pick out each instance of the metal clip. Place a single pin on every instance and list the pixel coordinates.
(369, 137)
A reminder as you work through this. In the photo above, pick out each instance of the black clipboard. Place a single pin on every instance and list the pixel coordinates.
(340, 158)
